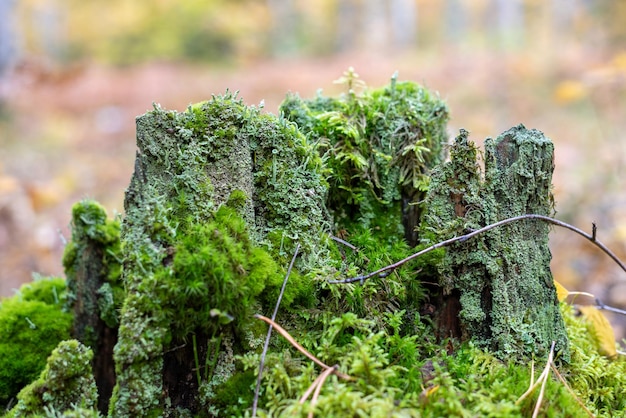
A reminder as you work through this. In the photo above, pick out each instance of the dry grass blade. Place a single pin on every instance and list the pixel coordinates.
(316, 395)
(545, 380)
(269, 333)
(543, 376)
(571, 391)
(301, 349)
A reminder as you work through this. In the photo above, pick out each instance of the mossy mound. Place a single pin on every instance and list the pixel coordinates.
(65, 385)
(32, 323)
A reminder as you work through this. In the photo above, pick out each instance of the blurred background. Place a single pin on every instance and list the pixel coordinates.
(75, 74)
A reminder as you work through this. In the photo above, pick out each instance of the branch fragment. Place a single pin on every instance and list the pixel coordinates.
(382, 272)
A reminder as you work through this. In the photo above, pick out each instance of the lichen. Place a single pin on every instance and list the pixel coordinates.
(32, 323)
(507, 296)
(66, 384)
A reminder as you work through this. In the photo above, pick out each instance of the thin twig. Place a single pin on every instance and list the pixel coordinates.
(269, 334)
(601, 305)
(344, 242)
(301, 349)
(385, 270)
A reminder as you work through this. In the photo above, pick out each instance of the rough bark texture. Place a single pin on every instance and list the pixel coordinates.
(501, 279)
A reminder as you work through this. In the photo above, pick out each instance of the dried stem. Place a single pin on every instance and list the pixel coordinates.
(542, 377)
(301, 349)
(255, 402)
(386, 270)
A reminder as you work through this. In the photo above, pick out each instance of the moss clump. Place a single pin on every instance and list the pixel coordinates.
(66, 384)
(92, 262)
(32, 323)
(599, 383)
(378, 149)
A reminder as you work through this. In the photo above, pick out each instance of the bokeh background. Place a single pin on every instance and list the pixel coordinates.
(74, 74)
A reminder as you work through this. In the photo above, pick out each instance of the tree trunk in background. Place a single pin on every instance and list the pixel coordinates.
(347, 25)
(8, 35)
(510, 22)
(284, 30)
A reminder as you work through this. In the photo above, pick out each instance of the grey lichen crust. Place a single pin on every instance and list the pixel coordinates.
(507, 295)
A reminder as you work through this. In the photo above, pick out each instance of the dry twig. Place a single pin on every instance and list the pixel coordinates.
(383, 272)
(255, 402)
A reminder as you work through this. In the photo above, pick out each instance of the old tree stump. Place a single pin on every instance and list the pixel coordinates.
(497, 289)
(221, 197)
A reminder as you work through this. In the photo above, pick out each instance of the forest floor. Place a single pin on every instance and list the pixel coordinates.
(69, 133)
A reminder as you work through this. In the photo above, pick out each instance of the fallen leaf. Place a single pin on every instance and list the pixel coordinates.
(600, 329)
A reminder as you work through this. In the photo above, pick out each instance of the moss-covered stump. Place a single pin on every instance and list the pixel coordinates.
(497, 288)
(219, 197)
(92, 262)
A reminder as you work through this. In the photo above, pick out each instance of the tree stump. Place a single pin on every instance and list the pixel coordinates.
(92, 266)
(497, 289)
(211, 186)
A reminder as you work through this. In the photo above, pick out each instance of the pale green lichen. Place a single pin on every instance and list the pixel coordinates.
(507, 296)
(66, 384)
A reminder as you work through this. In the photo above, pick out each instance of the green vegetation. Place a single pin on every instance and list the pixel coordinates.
(32, 323)
(378, 149)
(220, 199)
(92, 262)
(65, 385)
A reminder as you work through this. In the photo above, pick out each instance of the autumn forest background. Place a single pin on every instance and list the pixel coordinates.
(75, 74)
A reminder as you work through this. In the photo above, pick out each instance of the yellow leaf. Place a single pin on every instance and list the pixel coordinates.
(561, 292)
(600, 329)
(569, 91)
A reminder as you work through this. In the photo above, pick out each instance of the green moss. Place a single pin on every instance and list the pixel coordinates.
(378, 149)
(599, 382)
(31, 324)
(66, 383)
(92, 262)
(215, 268)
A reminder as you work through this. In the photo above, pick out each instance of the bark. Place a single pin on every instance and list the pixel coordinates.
(500, 283)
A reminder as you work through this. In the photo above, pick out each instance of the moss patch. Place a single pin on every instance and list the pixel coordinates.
(66, 384)
(32, 323)
(378, 148)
